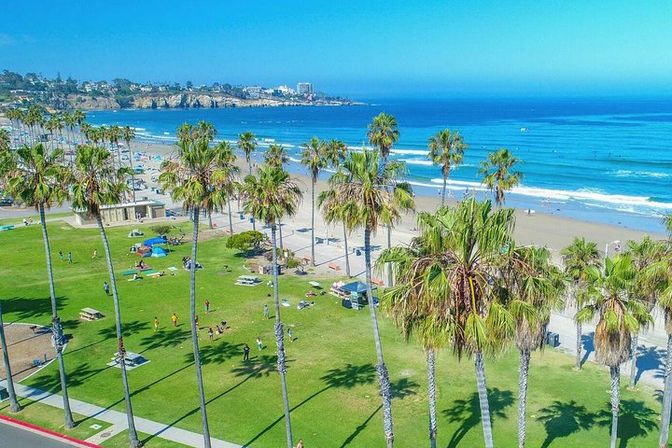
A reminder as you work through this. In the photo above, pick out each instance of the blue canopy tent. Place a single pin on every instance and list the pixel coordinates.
(358, 297)
(158, 252)
(156, 240)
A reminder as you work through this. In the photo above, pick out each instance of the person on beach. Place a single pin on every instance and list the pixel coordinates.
(260, 345)
(246, 352)
(173, 319)
(156, 324)
(69, 257)
(211, 334)
(60, 255)
(267, 312)
(106, 288)
(207, 306)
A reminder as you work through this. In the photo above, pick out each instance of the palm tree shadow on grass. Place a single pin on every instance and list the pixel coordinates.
(26, 308)
(127, 328)
(254, 368)
(468, 412)
(217, 353)
(588, 344)
(562, 419)
(635, 420)
(345, 377)
(400, 389)
(650, 358)
(77, 375)
(164, 339)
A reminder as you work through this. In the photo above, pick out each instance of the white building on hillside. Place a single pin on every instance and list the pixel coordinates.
(304, 88)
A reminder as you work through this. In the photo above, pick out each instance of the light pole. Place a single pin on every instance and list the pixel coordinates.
(606, 247)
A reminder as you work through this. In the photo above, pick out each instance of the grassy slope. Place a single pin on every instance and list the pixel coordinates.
(331, 382)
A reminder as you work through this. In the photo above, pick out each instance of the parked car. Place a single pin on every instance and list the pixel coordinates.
(6, 201)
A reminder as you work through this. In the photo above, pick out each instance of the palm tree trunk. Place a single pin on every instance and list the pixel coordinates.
(381, 368)
(633, 365)
(390, 280)
(615, 402)
(14, 405)
(280, 342)
(312, 223)
(522, 395)
(130, 163)
(56, 327)
(121, 350)
(443, 193)
(347, 252)
(194, 330)
(210, 220)
(431, 396)
(579, 345)
(483, 399)
(282, 246)
(230, 218)
(667, 396)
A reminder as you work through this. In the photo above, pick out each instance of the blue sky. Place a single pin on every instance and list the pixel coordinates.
(352, 47)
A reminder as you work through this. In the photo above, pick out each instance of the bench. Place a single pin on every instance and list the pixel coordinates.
(334, 266)
(377, 281)
(90, 314)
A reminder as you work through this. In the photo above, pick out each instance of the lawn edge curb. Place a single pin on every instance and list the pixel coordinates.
(46, 432)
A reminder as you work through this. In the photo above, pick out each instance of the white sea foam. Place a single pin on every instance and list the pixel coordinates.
(421, 152)
(630, 173)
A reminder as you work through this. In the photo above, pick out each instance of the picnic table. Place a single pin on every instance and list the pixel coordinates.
(90, 314)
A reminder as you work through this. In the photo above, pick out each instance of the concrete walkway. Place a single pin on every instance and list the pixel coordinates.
(118, 419)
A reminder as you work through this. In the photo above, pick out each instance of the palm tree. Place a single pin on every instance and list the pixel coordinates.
(225, 181)
(333, 211)
(70, 122)
(620, 315)
(190, 177)
(40, 181)
(371, 197)
(276, 156)
(335, 153)
(533, 287)
(80, 118)
(578, 258)
(95, 183)
(417, 302)
(269, 196)
(446, 149)
(114, 134)
(383, 134)
(14, 405)
(247, 142)
(13, 116)
(498, 175)
(5, 140)
(645, 289)
(128, 134)
(313, 157)
(476, 239)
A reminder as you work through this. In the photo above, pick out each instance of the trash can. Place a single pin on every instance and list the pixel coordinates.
(552, 339)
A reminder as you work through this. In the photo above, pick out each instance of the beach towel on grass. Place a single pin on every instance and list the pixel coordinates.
(129, 272)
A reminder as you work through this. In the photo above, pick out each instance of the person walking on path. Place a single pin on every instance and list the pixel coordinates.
(173, 319)
(207, 306)
(246, 352)
(60, 255)
(267, 313)
(260, 345)
(106, 288)
(156, 324)
(69, 257)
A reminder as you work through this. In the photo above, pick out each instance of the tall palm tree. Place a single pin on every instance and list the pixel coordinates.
(39, 180)
(371, 197)
(80, 119)
(578, 258)
(14, 405)
(276, 155)
(498, 173)
(446, 149)
(95, 182)
(225, 181)
(643, 253)
(269, 196)
(247, 142)
(70, 122)
(313, 158)
(620, 315)
(13, 117)
(418, 301)
(333, 211)
(190, 177)
(114, 134)
(383, 134)
(128, 134)
(51, 126)
(335, 153)
(475, 239)
(533, 287)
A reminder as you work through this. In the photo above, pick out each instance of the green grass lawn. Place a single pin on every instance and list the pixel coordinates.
(121, 441)
(332, 384)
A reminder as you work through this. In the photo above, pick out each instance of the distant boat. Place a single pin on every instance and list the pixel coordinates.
(524, 129)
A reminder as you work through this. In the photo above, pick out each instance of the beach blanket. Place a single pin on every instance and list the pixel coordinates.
(172, 268)
(129, 272)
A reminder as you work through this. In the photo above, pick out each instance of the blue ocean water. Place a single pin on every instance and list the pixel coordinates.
(603, 160)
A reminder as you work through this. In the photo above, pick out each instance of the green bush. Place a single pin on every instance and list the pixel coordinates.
(246, 241)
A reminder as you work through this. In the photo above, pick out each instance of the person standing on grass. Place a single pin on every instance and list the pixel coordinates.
(69, 257)
(95, 254)
(156, 324)
(300, 444)
(198, 327)
(260, 345)
(173, 318)
(211, 334)
(267, 313)
(106, 288)
(207, 306)
(290, 334)
(246, 352)
(60, 255)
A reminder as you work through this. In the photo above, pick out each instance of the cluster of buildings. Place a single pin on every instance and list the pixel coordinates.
(303, 89)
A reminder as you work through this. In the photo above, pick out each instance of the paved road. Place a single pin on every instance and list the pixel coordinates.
(15, 437)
